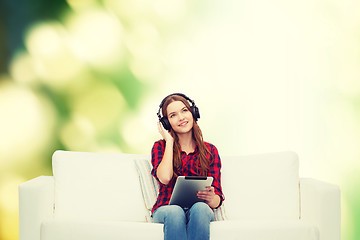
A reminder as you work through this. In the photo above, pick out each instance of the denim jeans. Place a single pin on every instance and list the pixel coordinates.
(179, 223)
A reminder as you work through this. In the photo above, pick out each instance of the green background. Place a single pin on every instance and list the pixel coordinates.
(87, 75)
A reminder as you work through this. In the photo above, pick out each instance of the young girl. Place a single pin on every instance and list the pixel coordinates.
(183, 152)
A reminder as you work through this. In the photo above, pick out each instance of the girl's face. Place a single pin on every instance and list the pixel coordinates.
(180, 117)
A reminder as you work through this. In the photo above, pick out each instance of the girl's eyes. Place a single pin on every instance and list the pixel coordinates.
(173, 115)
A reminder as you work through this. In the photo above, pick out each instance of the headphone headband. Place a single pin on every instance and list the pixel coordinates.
(179, 94)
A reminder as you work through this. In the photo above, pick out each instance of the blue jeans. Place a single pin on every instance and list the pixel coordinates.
(179, 223)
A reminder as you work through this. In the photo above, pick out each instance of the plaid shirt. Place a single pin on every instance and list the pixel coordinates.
(188, 169)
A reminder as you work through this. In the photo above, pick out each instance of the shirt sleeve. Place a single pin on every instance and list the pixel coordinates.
(215, 171)
(157, 153)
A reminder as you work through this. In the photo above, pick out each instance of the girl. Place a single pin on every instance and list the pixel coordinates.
(183, 152)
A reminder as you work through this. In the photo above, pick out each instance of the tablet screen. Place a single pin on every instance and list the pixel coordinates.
(185, 190)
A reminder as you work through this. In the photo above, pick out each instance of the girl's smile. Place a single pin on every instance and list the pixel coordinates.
(183, 124)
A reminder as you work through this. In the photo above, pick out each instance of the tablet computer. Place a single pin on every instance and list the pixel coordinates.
(185, 190)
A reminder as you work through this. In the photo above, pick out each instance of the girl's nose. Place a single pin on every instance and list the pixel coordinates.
(181, 116)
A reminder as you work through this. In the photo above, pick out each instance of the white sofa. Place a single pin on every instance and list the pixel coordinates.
(97, 196)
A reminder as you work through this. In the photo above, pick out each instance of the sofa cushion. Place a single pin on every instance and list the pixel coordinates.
(264, 186)
(149, 185)
(98, 186)
(264, 230)
(95, 230)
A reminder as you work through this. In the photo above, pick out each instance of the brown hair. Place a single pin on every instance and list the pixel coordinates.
(203, 161)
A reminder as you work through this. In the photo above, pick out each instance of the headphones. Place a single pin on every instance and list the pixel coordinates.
(165, 121)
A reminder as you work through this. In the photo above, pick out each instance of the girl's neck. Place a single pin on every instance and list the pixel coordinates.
(187, 142)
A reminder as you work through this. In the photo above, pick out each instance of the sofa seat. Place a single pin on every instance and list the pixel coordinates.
(114, 230)
(263, 230)
(57, 229)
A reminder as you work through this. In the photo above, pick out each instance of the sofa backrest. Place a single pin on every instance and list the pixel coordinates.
(264, 186)
(119, 187)
(100, 186)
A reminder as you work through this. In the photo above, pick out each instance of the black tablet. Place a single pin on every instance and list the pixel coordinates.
(185, 190)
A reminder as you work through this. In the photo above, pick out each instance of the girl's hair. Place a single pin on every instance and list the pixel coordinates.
(203, 161)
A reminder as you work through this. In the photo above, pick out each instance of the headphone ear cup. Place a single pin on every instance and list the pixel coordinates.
(195, 112)
(165, 122)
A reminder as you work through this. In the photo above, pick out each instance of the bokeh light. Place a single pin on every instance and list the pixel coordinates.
(23, 69)
(25, 118)
(54, 61)
(97, 38)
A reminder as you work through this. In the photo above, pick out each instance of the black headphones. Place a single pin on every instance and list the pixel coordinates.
(164, 120)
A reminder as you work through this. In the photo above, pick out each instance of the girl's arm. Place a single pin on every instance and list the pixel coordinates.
(165, 168)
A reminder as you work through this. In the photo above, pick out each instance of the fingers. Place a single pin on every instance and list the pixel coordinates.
(161, 129)
(207, 195)
(164, 133)
(210, 188)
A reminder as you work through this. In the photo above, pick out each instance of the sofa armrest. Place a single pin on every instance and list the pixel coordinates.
(320, 205)
(36, 203)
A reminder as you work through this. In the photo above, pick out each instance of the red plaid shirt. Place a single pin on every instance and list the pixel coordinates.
(188, 169)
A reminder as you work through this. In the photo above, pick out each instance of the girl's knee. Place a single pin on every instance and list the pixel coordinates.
(200, 207)
(169, 213)
(175, 213)
(201, 210)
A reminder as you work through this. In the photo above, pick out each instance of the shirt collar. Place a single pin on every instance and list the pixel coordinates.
(194, 152)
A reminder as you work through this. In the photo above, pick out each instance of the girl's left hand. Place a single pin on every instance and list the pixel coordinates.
(207, 195)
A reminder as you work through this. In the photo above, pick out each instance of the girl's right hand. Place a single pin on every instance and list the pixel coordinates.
(164, 133)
